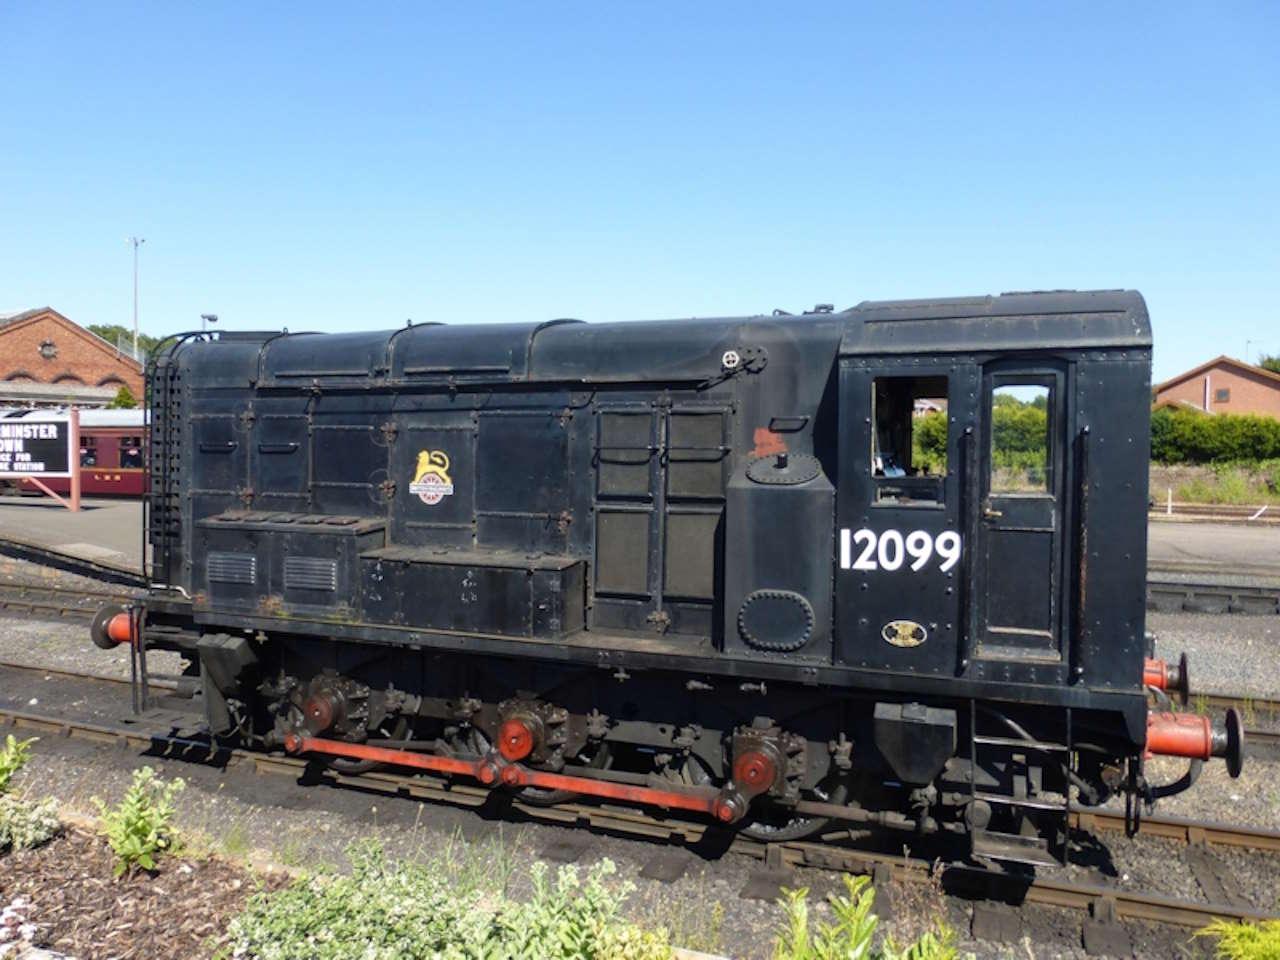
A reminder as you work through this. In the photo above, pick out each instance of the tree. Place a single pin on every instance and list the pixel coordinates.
(124, 399)
(1271, 362)
(114, 333)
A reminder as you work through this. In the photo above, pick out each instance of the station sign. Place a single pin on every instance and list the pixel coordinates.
(36, 445)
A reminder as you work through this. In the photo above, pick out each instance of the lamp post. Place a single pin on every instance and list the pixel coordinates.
(135, 242)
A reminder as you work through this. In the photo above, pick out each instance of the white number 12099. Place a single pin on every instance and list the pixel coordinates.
(890, 550)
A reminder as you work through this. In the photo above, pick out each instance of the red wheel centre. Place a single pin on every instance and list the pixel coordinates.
(754, 771)
(515, 740)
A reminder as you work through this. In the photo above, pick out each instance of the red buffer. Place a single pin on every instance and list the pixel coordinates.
(1196, 737)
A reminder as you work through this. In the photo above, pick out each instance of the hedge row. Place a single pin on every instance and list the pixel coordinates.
(1177, 436)
(1189, 436)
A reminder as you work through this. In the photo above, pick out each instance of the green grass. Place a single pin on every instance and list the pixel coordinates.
(236, 843)
(1233, 484)
(1244, 941)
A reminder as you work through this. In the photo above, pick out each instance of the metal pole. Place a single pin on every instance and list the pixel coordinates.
(135, 241)
(75, 459)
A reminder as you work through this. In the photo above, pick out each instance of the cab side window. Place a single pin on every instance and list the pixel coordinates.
(909, 439)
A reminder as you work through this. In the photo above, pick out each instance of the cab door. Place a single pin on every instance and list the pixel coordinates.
(901, 550)
(1022, 466)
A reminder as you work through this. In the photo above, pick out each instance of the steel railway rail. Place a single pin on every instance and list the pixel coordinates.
(1184, 596)
(38, 600)
(827, 853)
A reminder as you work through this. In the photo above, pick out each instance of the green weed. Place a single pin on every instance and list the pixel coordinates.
(140, 828)
(1244, 941)
(13, 757)
(691, 925)
(293, 853)
(851, 936)
(236, 842)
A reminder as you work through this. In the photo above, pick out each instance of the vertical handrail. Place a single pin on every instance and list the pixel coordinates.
(159, 428)
(1076, 652)
(966, 500)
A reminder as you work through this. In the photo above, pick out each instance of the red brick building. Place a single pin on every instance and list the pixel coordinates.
(47, 359)
(1224, 385)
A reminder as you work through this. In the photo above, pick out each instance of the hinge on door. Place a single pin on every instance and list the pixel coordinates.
(245, 495)
(389, 431)
(247, 418)
(388, 489)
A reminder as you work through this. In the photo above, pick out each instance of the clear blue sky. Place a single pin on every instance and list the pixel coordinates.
(325, 166)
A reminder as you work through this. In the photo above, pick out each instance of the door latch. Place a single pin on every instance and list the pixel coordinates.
(991, 514)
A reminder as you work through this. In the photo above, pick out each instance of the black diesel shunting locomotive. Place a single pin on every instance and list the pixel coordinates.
(713, 565)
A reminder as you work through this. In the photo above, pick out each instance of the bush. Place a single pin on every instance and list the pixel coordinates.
(24, 825)
(13, 757)
(141, 827)
(571, 919)
(1190, 436)
(386, 909)
(124, 400)
(929, 442)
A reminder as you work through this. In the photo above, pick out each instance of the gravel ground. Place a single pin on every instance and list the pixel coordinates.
(1252, 800)
(66, 646)
(1231, 654)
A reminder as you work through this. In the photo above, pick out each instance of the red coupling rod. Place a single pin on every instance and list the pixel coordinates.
(493, 769)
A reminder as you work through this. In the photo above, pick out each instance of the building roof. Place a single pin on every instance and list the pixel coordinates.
(54, 394)
(18, 316)
(15, 315)
(1222, 361)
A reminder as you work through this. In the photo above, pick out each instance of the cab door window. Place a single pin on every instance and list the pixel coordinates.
(1020, 449)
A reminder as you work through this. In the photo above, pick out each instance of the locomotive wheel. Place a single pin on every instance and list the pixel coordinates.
(352, 767)
(475, 742)
(772, 823)
(769, 822)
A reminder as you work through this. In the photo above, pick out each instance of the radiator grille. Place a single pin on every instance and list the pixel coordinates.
(233, 568)
(310, 573)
